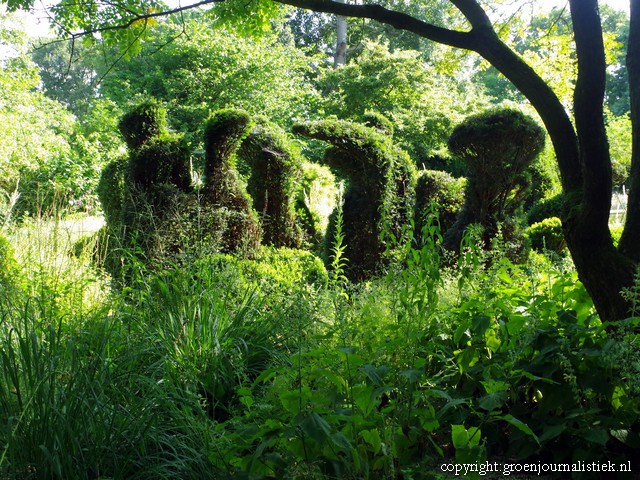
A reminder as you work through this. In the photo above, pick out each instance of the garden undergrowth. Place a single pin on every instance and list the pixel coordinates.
(272, 368)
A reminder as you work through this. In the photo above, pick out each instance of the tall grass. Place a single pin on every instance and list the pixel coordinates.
(82, 382)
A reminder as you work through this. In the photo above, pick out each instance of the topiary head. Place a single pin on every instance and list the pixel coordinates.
(223, 134)
(497, 143)
(146, 121)
(378, 121)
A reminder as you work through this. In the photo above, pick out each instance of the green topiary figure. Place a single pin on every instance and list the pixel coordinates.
(378, 121)
(547, 235)
(380, 193)
(223, 190)
(148, 120)
(497, 147)
(441, 189)
(111, 191)
(275, 172)
(161, 160)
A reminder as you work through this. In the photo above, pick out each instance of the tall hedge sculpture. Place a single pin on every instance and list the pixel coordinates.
(497, 147)
(223, 191)
(149, 202)
(275, 172)
(380, 192)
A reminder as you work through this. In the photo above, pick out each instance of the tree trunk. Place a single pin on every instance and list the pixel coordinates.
(340, 57)
(630, 241)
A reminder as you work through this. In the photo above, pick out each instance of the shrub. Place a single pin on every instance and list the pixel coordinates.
(146, 121)
(380, 191)
(442, 190)
(547, 235)
(497, 147)
(111, 191)
(550, 207)
(276, 169)
(224, 133)
(161, 160)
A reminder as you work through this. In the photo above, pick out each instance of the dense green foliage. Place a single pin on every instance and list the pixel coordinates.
(276, 169)
(497, 147)
(423, 106)
(439, 191)
(547, 235)
(372, 354)
(45, 154)
(380, 194)
(196, 68)
(263, 368)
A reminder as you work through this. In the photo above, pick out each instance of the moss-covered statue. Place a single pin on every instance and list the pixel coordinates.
(497, 147)
(276, 169)
(380, 192)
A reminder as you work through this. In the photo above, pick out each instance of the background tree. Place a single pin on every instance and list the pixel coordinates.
(44, 152)
(196, 68)
(422, 105)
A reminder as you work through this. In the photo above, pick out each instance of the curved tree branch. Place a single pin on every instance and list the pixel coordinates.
(399, 20)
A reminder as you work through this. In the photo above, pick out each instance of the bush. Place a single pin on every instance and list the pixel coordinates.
(276, 169)
(547, 235)
(550, 207)
(498, 146)
(380, 193)
(442, 190)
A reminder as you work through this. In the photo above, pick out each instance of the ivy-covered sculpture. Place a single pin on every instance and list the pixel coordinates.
(275, 171)
(497, 147)
(223, 191)
(380, 192)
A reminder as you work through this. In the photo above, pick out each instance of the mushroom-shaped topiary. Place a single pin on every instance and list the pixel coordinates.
(380, 193)
(497, 147)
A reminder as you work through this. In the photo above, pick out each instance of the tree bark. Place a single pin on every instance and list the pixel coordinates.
(630, 240)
